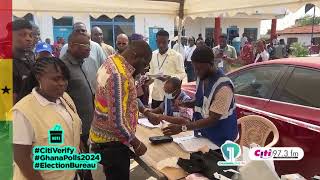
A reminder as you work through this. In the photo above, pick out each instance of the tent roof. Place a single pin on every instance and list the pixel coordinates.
(127, 8)
(94, 8)
(230, 8)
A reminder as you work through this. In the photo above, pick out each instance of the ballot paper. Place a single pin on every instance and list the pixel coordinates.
(193, 144)
(155, 76)
(146, 123)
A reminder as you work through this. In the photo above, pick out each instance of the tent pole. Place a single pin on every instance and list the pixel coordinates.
(181, 14)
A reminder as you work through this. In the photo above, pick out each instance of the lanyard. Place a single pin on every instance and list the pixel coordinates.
(162, 61)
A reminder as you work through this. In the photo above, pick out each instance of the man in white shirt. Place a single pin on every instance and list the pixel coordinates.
(181, 47)
(95, 59)
(188, 63)
(166, 62)
(262, 53)
(244, 39)
(224, 54)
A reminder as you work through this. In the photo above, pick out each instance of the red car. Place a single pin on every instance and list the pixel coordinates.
(287, 92)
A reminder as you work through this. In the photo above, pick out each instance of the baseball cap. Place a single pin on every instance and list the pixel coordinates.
(43, 47)
(136, 36)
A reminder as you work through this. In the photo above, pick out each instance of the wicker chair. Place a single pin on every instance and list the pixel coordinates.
(256, 129)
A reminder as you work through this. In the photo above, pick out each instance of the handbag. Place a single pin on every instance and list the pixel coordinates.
(206, 164)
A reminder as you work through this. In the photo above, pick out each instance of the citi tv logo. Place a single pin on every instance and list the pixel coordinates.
(264, 154)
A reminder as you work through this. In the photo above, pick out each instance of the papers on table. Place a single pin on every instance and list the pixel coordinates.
(193, 144)
(145, 122)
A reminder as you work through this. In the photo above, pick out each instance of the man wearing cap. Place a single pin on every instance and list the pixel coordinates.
(43, 50)
(214, 104)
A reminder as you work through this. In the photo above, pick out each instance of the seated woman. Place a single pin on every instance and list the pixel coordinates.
(39, 111)
(168, 110)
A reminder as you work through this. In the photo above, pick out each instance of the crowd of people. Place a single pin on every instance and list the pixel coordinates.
(241, 51)
(96, 93)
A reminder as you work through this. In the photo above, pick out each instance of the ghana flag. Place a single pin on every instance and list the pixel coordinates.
(6, 85)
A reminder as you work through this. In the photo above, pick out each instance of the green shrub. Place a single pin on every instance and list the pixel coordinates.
(298, 50)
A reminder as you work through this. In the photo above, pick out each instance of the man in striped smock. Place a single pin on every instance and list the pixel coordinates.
(116, 110)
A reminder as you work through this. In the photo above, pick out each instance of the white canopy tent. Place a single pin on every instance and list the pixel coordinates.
(94, 8)
(127, 8)
(230, 8)
(178, 9)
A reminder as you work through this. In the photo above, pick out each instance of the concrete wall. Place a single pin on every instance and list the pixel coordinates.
(198, 25)
(302, 38)
(143, 22)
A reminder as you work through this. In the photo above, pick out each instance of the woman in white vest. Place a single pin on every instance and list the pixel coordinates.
(38, 112)
(214, 104)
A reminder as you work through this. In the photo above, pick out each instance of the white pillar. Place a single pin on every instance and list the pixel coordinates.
(45, 24)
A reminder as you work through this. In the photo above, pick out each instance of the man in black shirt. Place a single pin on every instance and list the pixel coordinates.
(23, 57)
(79, 87)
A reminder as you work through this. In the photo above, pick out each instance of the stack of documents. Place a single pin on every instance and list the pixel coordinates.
(193, 144)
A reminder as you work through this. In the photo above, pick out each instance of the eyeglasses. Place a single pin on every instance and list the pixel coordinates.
(83, 45)
(81, 30)
(121, 43)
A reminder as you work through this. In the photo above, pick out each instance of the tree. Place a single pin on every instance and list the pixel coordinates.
(307, 20)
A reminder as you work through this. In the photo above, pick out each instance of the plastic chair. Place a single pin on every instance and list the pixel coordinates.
(256, 129)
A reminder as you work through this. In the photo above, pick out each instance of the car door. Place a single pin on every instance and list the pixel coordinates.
(254, 86)
(296, 103)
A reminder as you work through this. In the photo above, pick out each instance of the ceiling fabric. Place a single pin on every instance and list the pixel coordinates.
(127, 8)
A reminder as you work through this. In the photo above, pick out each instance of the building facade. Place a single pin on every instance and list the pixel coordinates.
(147, 25)
(229, 26)
(301, 34)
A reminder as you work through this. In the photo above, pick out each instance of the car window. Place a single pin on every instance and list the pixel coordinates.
(256, 82)
(303, 88)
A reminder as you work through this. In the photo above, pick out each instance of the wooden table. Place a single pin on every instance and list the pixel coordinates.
(157, 153)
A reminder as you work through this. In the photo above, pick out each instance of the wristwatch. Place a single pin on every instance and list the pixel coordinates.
(184, 128)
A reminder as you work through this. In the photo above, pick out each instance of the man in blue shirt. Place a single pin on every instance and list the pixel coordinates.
(168, 109)
(214, 104)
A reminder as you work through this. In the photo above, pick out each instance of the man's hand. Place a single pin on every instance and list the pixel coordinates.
(228, 59)
(220, 55)
(154, 118)
(172, 129)
(138, 147)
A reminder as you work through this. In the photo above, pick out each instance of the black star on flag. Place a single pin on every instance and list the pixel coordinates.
(5, 90)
